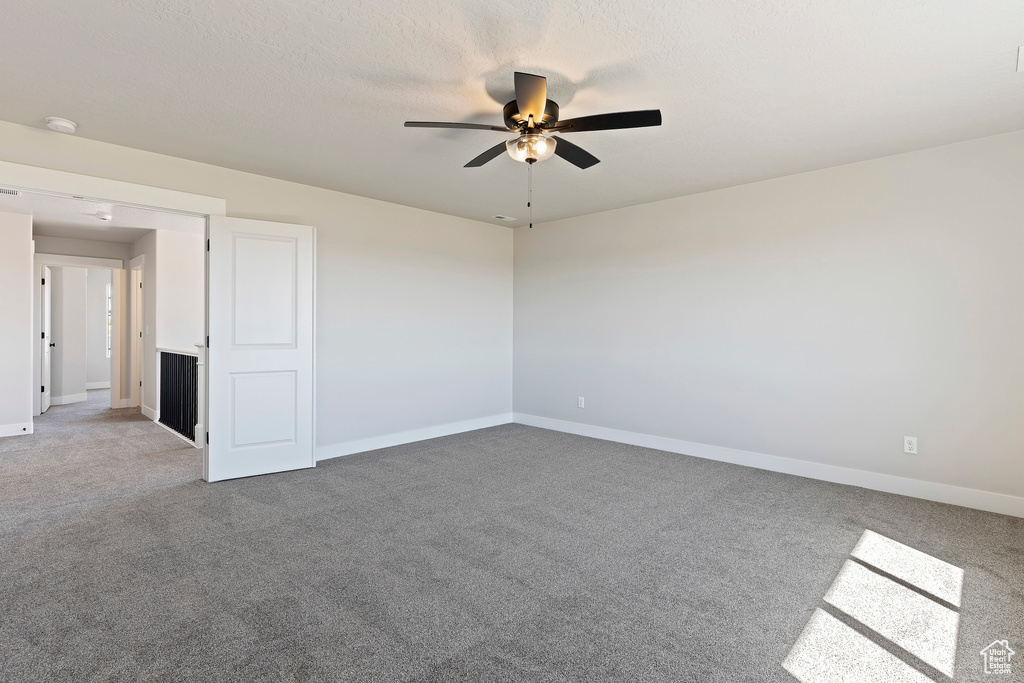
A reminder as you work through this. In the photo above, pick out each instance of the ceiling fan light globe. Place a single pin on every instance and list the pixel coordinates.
(531, 147)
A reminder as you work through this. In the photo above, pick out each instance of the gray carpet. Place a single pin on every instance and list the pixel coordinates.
(505, 554)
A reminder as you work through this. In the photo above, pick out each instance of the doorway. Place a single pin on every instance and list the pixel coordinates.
(288, 293)
(61, 325)
(75, 332)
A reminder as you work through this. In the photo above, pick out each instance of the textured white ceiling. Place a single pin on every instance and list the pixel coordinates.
(316, 91)
(56, 216)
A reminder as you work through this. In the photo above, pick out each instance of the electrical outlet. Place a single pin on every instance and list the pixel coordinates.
(910, 445)
(579, 401)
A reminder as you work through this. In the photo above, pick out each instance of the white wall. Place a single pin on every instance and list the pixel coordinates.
(69, 358)
(820, 317)
(97, 362)
(16, 340)
(180, 289)
(414, 309)
(76, 247)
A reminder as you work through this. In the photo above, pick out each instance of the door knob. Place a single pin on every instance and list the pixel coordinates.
(52, 344)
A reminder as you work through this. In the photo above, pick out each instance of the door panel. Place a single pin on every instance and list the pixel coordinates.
(265, 312)
(45, 322)
(260, 359)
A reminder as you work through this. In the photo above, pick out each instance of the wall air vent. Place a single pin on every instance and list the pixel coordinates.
(13, 193)
(499, 217)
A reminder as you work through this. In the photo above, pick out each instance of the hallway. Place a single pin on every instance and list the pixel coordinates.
(85, 456)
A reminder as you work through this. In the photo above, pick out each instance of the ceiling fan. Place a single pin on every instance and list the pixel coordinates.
(532, 115)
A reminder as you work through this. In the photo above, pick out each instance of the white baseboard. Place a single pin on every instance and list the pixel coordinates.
(180, 436)
(65, 400)
(151, 413)
(916, 488)
(125, 403)
(97, 385)
(16, 429)
(399, 438)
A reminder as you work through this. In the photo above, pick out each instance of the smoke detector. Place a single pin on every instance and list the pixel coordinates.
(61, 125)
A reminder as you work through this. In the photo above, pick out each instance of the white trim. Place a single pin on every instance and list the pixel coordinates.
(65, 400)
(399, 438)
(97, 385)
(125, 403)
(161, 349)
(16, 429)
(49, 181)
(180, 436)
(313, 323)
(152, 414)
(916, 488)
(79, 261)
(116, 360)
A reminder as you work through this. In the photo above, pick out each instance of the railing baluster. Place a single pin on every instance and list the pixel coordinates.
(179, 399)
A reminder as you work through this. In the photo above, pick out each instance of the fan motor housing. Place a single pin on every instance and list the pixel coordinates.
(514, 120)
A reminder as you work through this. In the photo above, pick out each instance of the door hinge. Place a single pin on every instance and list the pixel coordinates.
(140, 334)
(140, 285)
(44, 280)
(207, 245)
(42, 390)
(207, 341)
(207, 437)
(42, 335)
(140, 382)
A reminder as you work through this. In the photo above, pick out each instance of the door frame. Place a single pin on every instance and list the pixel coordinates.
(115, 266)
(136, 350)
(45, 357)
(78, 186)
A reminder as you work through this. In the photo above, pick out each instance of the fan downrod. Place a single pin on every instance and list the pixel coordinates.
(516, 122)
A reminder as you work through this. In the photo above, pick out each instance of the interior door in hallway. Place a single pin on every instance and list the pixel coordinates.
(45, 321)
(260, 303)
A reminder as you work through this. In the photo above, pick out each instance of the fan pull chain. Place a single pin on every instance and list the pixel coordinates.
(529, 191)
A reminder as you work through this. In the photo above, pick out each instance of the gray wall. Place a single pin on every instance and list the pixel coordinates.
(821, 316)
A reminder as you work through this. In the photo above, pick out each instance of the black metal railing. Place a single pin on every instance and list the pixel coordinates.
(179, 393)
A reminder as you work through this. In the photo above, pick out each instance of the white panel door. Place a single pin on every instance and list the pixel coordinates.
(260, 291)
(45, 321)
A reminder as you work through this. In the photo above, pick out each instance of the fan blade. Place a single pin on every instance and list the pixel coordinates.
(492, 153)
(531, 96)
(467, 126)
(575, 155)
(622, 119)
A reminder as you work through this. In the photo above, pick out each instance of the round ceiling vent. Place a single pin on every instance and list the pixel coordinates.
(60, 125)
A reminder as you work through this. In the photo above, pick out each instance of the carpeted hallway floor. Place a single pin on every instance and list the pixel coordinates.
(505, 554)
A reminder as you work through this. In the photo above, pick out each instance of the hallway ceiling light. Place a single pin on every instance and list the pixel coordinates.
(61, 125)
